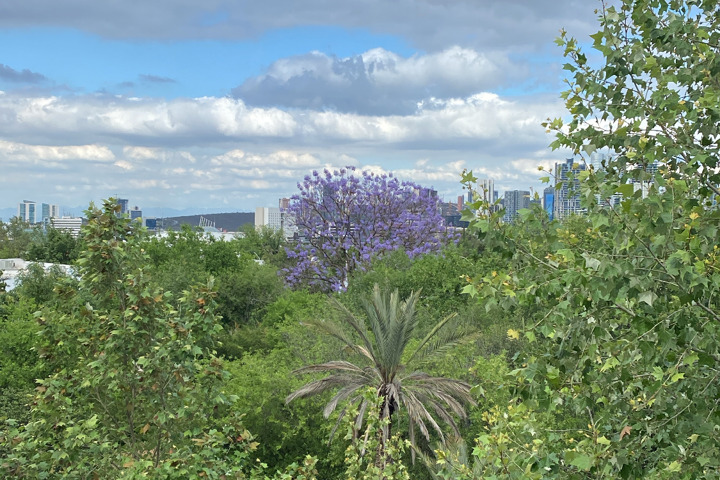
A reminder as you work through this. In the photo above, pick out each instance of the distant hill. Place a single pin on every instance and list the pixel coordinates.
(231, 222)
(7, 213)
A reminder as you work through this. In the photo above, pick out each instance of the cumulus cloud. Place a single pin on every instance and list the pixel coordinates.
(22, 153)
(110, 117)
(375, 82)
(239, 158)
(468, 122)
(9, 74)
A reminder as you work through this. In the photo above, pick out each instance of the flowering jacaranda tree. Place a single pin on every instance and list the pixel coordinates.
(346, 217)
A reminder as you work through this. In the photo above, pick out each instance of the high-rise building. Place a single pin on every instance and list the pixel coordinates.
(515, 200)
(276, 219)
(486, 190)
(268, 217)
(27, 211)
(150, 223)
(487, 194)
(49, 211)
(567, 194)
(549, 201)
(123, 203)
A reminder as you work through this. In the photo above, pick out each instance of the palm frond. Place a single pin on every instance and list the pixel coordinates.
(445, 416)
(342, 394)
(441, 346)
(415, 402)
(430, 335)
(439, 385)
(350, 319)
(334, 330)
(329, 366)
(392, 323)
(318, 386)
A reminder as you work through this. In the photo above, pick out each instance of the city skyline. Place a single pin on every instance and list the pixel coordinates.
(226, 105)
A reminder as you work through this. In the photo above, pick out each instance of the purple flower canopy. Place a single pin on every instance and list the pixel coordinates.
(345, 219)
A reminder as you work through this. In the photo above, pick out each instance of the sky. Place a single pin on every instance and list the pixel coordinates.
(227, 104)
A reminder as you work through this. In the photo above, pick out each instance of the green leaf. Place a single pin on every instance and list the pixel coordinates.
(626, 190)
(603, 440)
(579, 460)
(677, 377)
(648, 297)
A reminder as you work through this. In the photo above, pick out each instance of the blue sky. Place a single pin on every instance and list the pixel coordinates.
(228, 104)
(88, 63)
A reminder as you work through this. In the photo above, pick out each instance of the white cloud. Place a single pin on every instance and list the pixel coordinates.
(238, 158)
(122, 119)
(20, 152)
(125, 165)
(208, 121)
(375, 82)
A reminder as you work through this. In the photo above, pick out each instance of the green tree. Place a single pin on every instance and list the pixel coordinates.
(265, 243)
(134, 385)
(245, 292)
(54, 246)
(15, 238)
(390, 370)
(628, 344)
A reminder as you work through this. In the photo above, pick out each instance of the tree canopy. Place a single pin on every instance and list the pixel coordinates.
(621, 307)
(344, 219)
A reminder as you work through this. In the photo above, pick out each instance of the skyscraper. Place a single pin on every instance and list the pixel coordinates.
(26, 211)
(515, 200)
(567, 195)
(486, 193)
(49, 211)
(123, 202)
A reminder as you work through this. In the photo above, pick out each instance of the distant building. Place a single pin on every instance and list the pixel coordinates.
(275, 219)
(486, 190)
(549, 201)
(68, 224)
(27, 211)
(487, 194)
(151, 223)
(136, 214)
(515, 200)
(123, 203)
(268, 217)
(567, 194)
(49, 211)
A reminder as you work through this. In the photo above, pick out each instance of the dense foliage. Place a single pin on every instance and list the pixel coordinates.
(345, 219)
(625, 338)
(596, 344)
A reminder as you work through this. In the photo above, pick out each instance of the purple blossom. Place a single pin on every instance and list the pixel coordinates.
(345, 220)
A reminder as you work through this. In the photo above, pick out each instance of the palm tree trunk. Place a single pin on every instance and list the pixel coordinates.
(384, 433)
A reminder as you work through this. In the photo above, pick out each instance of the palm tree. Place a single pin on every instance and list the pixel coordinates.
(402, 387)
